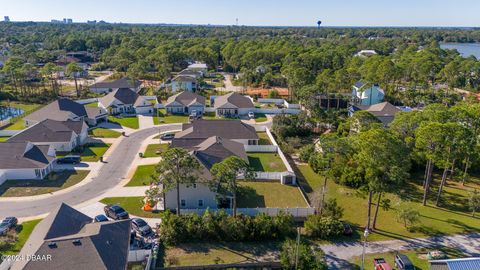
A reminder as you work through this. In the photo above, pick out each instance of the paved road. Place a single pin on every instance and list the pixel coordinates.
(109, 176)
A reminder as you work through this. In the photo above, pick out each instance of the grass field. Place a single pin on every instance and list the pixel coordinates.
(52, 183)
(217, 253)
(163, 118)
(93, 104)
(130, 121)
(19, 124)
(104, 133)
(23, 232)
(90, 153)
(152, 149)
(269, 194)
(452, 217)
(266, 162)
(132, 205)
(142, 176)
(263, 138)
(260, 117)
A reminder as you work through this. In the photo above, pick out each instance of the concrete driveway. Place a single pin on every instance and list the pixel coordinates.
(109, 175)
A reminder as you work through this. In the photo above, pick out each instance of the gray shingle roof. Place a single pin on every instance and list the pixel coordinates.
(120, 83)
(61, 109)
(23, 155)
(50, 131)
(103, 245)
(215, 149)
(124, 95)
(227, 129)
(184, 78)
(233, 100)
(186, 98)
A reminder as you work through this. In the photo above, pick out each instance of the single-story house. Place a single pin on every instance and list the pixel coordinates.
(233, 105)
(210, 151)
(125, 100)
(456, 264)
(66, 109)
(199, 67)
(199, 130)
(364, 93)
(25, 160)
(71, 240)
(61, 135)
(184, 83)
(107, 87)
(385, 111)
(184, 103)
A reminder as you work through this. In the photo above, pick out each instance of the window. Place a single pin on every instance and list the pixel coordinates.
(183, 203)
(200, 203)
(38, 173)
(194, 185)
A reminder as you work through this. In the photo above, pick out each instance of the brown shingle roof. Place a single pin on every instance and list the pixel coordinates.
(227, 129)
(186, 98)
(233, 100)
(23, 155)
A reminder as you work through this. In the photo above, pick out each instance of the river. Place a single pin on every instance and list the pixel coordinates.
(465, 49)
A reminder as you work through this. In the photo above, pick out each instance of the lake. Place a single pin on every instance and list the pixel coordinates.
(8, 112)
(465, 49)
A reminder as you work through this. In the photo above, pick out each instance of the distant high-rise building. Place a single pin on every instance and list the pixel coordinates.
(69, 21)
(6, 19)
(92, 22)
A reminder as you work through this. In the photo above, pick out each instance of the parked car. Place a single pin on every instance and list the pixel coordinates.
(381, 264)
(167, 136)
(141, 227)
(7, 224)
(69, 160)
(251, 115)
(402, 262)
(347, 229)
(100, 218)
(115, 212)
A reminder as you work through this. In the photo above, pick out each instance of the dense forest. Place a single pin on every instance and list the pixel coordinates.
(309, 61)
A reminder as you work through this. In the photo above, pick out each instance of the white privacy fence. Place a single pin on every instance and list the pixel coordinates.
(8, 133)
(209, 109)
(139, 255)
(87, 100)
(276, 111)
(261, 148)
(297, 212)
(3, 177)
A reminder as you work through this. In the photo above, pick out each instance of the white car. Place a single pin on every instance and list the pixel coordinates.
(251, 115)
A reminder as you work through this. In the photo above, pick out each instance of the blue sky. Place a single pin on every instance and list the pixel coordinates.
(251, 12)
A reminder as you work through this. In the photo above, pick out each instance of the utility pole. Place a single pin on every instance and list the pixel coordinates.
(296, 250)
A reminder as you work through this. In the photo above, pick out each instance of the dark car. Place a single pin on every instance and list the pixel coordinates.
(7, 224)
(115, 212)
(100, 218)
(167, 136)
(69, 160)
(402, 262)
(381, 264)
(141, 227)
(347, 229)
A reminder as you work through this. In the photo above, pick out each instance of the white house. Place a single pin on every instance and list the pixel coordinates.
(366, 94)
(366, 53)
(125, 100)
(24, 160)
(199, 67)
(184, 103)
(233, 105)
(184, 83)
(60, 135)
(107, 87)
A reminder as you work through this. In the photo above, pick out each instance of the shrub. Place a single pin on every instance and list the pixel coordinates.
(306, 152)
(332, 209)
(308, 258)
(323, 227)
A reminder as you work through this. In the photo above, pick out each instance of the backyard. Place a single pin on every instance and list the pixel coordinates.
(263, 138)
(90, 152)
(104, 133)
(132, 205)
(452, 218)
(266, 162)
(163, 118)
(129, 121)
(254, 194)
(152, 149)
(53, 182)
(18, 123)
(23, 232)
(142, 176)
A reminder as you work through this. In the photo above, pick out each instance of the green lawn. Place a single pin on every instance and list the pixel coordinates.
(23, 232)
(266, 162)
(19, 124)
(152, 149)
(52, 183)
(218, 253)
(417, 256)
(269, 194)
(130, 121)
(89, 152)
(260, 117)
(132, 205)
(209, 116)
(142, 176)
(264, 139)
(104, 133)
(3, 139)
(452, 218)
(93, 104)
(163, 118)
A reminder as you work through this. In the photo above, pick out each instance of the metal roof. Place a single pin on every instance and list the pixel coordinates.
(457, 264)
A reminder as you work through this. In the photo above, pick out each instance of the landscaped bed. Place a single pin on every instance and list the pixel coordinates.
(23, 232)
(104, 133)
(53, 182)
(269, 194)
(142, 176)
(163, 118)
(129, 121)
(89, 152)
(154, 150)
(266, 162)
(453, 218)
(132, 205)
